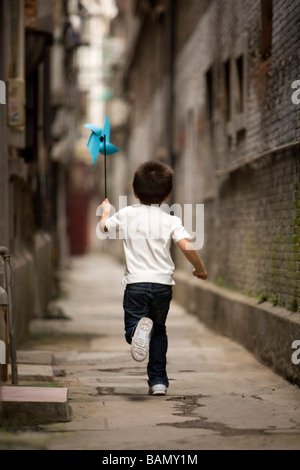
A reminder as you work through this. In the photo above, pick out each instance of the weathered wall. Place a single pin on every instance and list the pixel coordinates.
(251, 211)
(236, 150)
(4, 236)
(32, 284)
(258, 240)
(30, 248)
(235, 133)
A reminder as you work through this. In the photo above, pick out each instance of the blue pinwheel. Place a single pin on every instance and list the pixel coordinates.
(99, 142)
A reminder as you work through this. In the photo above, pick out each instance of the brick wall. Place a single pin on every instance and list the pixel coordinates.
(257, 241)
(251, 210)
(234, 143)
(147, 67)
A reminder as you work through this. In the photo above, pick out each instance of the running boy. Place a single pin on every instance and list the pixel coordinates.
(147, 232)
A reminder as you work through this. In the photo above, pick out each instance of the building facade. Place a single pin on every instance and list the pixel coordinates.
(36, 68)
(211, 84)
(51, 84)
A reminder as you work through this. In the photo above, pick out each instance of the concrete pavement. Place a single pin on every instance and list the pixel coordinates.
(219, 397)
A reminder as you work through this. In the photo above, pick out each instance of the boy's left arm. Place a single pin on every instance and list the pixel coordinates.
(106, 207)
(192, 256)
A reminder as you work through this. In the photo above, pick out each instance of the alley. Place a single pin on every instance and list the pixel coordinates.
(219, 397)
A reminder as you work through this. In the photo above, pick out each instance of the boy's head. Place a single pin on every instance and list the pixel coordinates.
(152, 182)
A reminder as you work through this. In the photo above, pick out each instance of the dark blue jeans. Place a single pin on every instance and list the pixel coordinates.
(153, 301)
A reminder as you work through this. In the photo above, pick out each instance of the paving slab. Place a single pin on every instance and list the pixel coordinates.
(33, 373)
(26, 406)
(35, 357)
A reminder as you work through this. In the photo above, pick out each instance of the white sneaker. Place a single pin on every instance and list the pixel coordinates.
(158, 389)
(141, 339)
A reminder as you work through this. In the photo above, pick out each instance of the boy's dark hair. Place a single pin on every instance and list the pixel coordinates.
(152, 182)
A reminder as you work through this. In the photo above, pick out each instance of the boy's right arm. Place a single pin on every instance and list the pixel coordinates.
(192, 256)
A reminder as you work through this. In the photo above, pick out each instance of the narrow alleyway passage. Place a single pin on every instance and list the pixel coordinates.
(219, 397)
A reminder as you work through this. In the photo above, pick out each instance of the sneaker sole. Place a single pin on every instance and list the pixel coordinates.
(159, 392)
(140, 340)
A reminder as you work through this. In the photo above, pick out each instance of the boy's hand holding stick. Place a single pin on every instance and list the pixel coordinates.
(106, 207)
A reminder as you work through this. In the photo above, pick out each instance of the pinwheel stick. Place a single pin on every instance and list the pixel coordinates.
(103, 139)
(99, 142)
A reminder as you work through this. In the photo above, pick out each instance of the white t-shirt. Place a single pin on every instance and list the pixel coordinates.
(147, 232)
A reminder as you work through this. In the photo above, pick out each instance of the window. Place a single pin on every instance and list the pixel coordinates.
(239, 85)
(209, 95)
(190, 155)
(234, 90)
(227, 89)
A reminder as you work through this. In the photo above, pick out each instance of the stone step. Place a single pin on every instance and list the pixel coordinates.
(33, 373)
(29, 405)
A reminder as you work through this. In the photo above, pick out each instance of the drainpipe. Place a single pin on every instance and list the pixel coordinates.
(170, 88)
(3, 335)
(11, 336)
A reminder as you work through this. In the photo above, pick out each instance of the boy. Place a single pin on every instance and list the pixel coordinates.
(147, 232)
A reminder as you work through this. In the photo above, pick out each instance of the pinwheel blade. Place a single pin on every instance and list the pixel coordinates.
(97, 130)
(94, 146)
(106, 148)
(106, 129)
(109, 148)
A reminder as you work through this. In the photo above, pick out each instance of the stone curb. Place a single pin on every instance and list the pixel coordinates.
(266, 331)
(28, 405)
